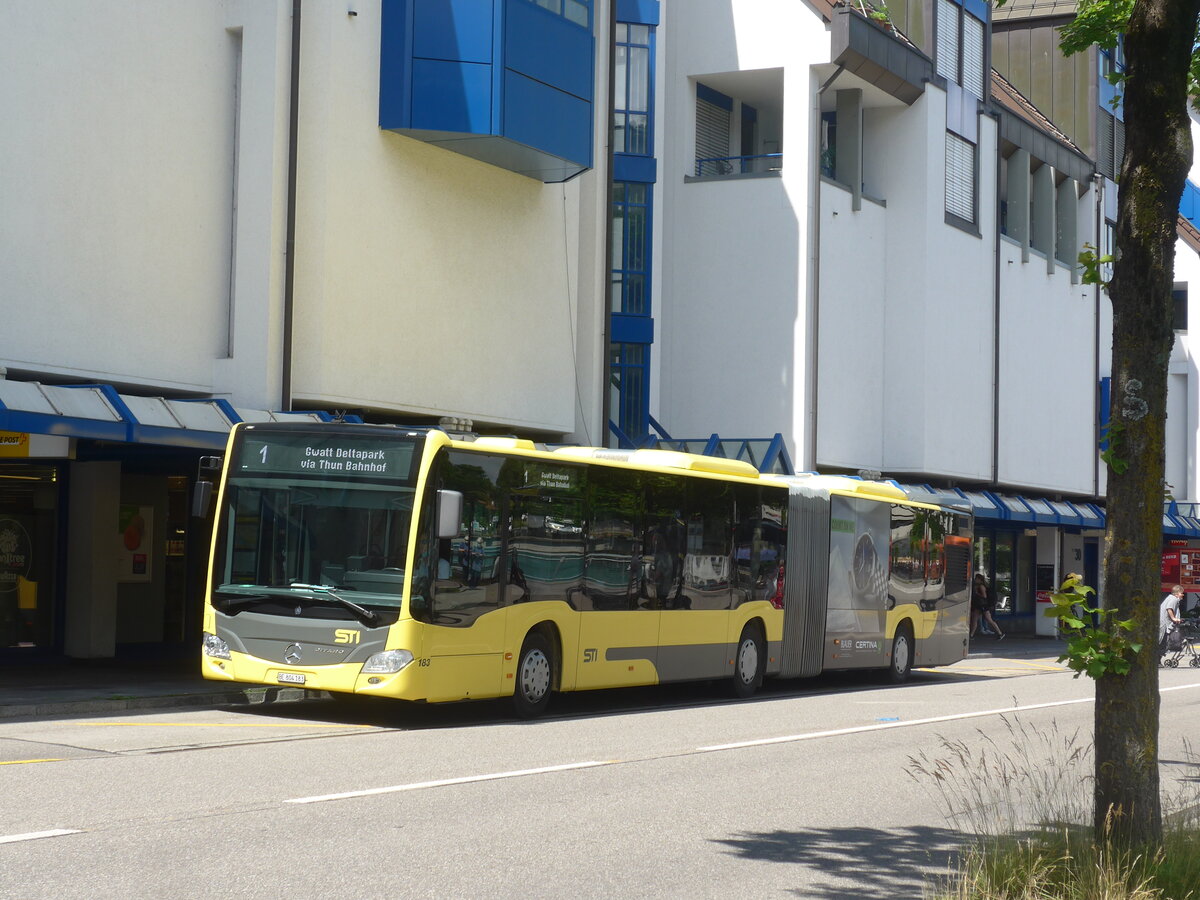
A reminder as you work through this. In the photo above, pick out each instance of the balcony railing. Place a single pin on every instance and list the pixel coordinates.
(739, 165)
(765, 454)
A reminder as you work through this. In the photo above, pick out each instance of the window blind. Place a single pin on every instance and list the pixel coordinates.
(972, 55)
(960, 177)
(712, 136)
(947, 40)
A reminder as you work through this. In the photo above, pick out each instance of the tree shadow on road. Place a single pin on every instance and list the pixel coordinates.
(878, 863)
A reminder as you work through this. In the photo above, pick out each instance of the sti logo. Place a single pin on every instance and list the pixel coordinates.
(590, 655)
(346, 636)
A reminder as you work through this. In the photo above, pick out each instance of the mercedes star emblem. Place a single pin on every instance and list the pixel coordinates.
(292, 654)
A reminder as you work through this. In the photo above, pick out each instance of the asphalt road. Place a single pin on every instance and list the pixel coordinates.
(808, 790)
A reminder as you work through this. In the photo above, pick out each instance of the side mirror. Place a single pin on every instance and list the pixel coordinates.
(449, 513)
(208, 468)
(201, 499)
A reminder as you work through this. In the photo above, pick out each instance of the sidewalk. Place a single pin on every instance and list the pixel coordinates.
(74, 687)
(1019, 646)
(93, 687)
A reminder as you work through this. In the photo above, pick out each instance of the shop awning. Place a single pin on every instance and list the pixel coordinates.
(1178, 519)
(1014, 508)
(100, 412)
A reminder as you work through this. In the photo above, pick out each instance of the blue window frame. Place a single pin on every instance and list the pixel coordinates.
(631, 209)
(633, 90)
(631, 328)
(629, 389)
(630, 361)
(577, 11)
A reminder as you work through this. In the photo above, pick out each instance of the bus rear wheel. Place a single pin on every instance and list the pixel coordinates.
(903, 650)
(748, 662)
(535, 677)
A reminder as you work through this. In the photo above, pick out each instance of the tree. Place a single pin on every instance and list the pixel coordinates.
(1160, 40)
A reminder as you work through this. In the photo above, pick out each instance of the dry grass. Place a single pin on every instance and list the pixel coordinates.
(1028, 804)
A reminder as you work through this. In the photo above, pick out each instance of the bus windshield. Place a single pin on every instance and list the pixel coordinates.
(294, 537)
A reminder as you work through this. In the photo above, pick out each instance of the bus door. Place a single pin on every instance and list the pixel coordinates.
(460, 592)
(618, 623)
(690, 565)
(954, 609)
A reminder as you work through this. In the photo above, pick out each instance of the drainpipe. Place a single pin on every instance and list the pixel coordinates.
(606, 218)
(996, 318)
(289, 276)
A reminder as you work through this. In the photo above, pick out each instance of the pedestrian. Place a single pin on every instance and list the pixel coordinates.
(979, 599)
(1168, 617)
(989, 607)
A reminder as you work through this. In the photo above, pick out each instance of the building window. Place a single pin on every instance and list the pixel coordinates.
(1110, 150)
(631, 248)
(960, 48)
(960, 178)
(633, 90)
(735, 136)
(1179, 297)
(577, 11)
(1108, 247)
(629, 388)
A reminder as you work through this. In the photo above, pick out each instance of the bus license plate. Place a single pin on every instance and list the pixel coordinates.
(291, 677)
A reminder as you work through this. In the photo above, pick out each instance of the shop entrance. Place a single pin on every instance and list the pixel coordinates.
(29, 541)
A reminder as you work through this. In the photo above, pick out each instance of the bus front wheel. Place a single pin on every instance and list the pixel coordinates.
(903, 649)
(748, 662)
(535, 676)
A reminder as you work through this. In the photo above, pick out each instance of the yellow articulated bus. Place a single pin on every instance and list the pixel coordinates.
(403, 563)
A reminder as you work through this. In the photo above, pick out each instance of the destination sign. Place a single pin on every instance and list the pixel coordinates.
(318, 455)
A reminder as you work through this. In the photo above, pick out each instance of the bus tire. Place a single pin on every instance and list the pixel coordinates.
(903, 650)
(748, 662)
(535, 676)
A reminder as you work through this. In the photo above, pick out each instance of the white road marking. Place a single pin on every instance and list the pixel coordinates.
(470, 779)
(860, 729)
(34, 835)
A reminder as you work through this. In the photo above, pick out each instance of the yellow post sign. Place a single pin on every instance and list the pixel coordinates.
(14, 444)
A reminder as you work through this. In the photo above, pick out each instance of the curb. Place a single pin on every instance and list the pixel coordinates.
(255, 696)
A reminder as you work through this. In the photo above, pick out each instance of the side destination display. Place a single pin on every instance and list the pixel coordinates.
(313, 454)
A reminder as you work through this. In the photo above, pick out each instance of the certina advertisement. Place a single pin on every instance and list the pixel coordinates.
(856, 617)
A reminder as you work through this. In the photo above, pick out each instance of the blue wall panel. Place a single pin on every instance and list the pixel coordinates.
(453, 29)
(450, 96)
(627, 329)
(548, 48)
(541, 117)
(641, 169)
(395, 57)
(638, 12)
(508, 73)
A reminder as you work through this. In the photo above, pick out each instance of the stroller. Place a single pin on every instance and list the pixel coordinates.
(1179, 645)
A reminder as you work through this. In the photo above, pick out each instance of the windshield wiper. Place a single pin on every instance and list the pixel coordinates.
(323, 590)
(231, 600)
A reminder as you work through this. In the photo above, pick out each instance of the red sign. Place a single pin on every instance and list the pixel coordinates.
(1181, 566)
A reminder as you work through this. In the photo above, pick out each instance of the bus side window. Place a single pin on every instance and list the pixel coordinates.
(664, 542)
(546, 546)
(760, 541)
(708, 564)
(612, 560)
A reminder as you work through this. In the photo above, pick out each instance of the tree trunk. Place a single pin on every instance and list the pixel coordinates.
(1158, 153)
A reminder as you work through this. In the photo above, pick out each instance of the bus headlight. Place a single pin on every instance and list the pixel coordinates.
(215, 647)
(387, 662)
